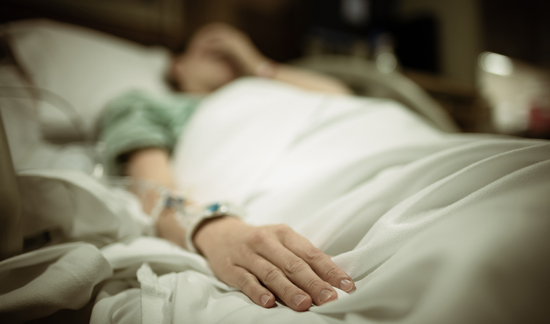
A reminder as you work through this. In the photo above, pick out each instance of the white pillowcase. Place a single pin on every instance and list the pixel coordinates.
(84, 67)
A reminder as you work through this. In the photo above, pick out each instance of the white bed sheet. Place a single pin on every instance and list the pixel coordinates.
(434, 228)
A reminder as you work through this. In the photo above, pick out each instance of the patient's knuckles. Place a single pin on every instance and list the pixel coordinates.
(333, 275)
(244, 281)
(257, 237)
(281, 229)
(314, 286)
(314, 255)
(271, 275)
(294, 266)
(250, 286)
(289, 291)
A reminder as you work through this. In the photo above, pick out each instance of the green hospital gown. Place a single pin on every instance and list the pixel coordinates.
(137, 120)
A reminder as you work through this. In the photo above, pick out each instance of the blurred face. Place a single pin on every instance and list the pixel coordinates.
(200, 71)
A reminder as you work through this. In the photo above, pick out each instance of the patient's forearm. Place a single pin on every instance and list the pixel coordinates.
(263, 262)
(169, 228)
(151, 165)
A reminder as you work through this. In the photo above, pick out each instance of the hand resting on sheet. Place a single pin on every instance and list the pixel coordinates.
(287, 264)
(263, 262)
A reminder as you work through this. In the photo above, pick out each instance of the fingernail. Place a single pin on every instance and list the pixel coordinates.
(298, 299)
(264, 299)
(325, 295)
(345, 285)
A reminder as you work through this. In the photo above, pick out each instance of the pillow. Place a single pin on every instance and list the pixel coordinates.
(80, 70)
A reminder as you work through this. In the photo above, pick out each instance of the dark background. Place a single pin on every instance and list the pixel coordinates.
(437, 42)
(282, 28)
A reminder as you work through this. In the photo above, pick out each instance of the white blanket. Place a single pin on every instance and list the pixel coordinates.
(434, 228)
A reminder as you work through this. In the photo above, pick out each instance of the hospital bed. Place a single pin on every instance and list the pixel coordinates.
(433, 226)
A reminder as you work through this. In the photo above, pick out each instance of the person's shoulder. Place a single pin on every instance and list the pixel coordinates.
(136, 98)
(135, 94)
(178, 98)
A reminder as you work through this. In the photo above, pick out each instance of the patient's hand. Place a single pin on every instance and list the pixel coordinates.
(270, 260)
(235, 48)
(230, 43)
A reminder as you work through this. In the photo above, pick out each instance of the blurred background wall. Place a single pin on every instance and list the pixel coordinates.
(437, 43)
(441, 36)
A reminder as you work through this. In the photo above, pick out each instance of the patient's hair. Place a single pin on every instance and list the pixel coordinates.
(170, 76)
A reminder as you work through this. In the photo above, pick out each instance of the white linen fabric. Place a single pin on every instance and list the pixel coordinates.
(426, 223)
(39, 283)
(433, 228)
(80, 215)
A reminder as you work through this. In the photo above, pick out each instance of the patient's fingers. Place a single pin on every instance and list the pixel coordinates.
(277, 282)
(288, 265)
(240, 278)
(298, 271)
(317, 260)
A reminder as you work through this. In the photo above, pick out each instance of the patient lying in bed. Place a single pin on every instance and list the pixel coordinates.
(429, 227)
(140, 132)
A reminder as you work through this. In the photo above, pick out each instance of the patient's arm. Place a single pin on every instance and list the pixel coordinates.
(237, 47)
(246, 256)
(308, 80)
(153, 165)
(287, 264)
